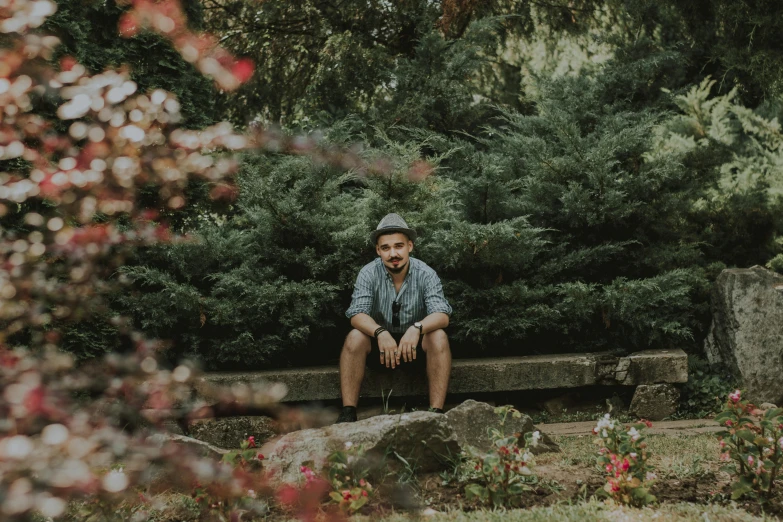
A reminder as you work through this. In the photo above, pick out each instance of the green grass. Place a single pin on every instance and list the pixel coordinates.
(588, 511)
(694, 457)
(545, 417)
(684, 456)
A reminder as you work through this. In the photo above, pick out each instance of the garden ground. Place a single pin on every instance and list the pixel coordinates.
(690, 486)
(689, 481)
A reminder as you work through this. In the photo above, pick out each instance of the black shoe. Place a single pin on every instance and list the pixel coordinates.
(435, 410)
(348, 414)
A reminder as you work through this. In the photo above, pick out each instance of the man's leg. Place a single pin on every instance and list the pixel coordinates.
(436, 345)
(352, 361)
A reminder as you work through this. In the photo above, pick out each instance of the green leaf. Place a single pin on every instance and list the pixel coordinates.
(740, 488)
(334, 495)
(498, 497)
(249, 454)
(723, 416)
(774, 412)
(476, 491)
(517, 488)
(401, 459)
(230, 458)
(357, 504)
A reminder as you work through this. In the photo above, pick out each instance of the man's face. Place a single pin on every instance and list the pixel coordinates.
(394, 250)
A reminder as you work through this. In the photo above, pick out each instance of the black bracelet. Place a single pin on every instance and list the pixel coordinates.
(379, 331)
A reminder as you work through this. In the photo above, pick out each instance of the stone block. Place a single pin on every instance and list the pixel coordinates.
(656, 367)
(537, 372)
(655, 401)
(746, 334)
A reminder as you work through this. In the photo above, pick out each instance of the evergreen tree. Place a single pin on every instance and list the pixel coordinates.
(89, 32)
(576, 216)
(572, 239)
(320, 60)
(271, 283)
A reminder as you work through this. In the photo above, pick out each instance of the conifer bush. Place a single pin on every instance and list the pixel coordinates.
(573, 227)
(271, 283)
(584, 213)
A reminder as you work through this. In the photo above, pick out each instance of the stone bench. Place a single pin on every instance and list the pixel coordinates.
(653, 372)
(535, 372)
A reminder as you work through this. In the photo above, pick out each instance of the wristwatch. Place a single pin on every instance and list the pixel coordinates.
(419, 326)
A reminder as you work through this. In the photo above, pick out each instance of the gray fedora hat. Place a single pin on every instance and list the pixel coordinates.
(390, 224)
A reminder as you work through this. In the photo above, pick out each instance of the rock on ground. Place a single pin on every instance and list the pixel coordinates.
(427, 441)
(472, 420)
(747, 330)
(655, 401)
(424, 439)
(229, 432)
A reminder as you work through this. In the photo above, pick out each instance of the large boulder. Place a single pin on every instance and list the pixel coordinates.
(472, 421)
(747, 330)
(425, 440)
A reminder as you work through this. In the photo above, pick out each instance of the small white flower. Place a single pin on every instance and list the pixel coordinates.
(251, 493)
(634, 434)
(604, 434)
(605, 423)
(650, 476)
(524, 470)
(115, 481)
(536, 438)
(348, 445)
(527, 457)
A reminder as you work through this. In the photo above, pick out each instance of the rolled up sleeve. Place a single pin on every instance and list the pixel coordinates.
(434, 299)
(361, 300)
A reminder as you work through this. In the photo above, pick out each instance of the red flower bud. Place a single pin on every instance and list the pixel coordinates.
(242, 70)
(67, 63)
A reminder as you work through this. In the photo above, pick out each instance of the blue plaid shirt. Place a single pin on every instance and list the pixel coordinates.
(421, 294)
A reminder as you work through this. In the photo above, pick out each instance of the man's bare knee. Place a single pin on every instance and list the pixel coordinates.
(435, 341)
(357, 343)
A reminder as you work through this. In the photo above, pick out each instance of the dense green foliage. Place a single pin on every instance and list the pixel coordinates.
(706, 390)
(565, 213)
(321, 58)
(559, 230)
(88, 30)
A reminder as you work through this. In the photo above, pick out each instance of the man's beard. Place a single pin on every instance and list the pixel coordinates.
(396, 270)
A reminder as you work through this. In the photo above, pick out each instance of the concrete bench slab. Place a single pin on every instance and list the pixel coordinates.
(534, 372)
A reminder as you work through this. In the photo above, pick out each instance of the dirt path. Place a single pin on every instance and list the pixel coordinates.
(677, 427)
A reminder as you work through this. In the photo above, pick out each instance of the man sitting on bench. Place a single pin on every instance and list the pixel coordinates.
(397, 306)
